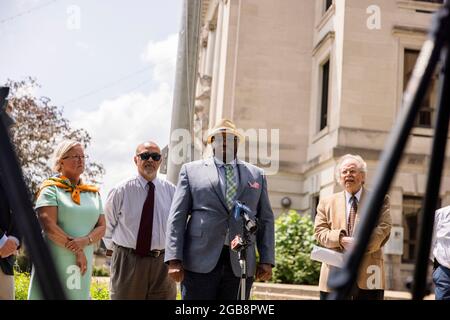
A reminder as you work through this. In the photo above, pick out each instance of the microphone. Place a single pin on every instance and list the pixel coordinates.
(242, 210)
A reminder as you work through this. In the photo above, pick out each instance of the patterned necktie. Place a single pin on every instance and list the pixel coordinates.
(144, 238)
(352, 218)
(230, 186)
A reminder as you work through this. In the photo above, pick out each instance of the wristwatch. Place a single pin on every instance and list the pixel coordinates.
(90, 239)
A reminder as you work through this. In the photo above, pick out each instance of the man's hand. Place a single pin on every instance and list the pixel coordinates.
(264, 272)
(347, 243)
(8, 248)
(176, 271)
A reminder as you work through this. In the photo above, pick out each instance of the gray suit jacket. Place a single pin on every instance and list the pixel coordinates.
(199, 218)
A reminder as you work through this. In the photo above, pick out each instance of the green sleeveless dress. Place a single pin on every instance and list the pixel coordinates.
(76, 221)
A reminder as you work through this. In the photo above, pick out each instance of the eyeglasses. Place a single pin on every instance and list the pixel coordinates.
(81, 158)
(351, 172)
(147, 155)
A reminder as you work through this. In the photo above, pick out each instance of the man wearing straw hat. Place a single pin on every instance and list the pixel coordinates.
(201, 223)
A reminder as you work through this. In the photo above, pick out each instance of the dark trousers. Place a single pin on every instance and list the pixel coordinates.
(441, 279)
(219, 284)
(359, 294)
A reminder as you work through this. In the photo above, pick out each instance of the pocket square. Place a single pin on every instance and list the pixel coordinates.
(254, 185)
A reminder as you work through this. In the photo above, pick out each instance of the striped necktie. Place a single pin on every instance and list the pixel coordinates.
(352, 217)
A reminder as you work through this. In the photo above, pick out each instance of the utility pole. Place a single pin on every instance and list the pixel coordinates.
(181, 131)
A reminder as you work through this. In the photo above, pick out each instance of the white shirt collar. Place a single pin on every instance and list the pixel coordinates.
(144, 181)
(348, 195)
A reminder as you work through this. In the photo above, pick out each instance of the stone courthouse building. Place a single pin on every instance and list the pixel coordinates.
(329, 75)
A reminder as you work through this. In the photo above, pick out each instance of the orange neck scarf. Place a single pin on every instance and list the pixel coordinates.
(64, 183)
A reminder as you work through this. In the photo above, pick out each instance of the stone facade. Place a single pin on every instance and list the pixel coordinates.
(261, 64)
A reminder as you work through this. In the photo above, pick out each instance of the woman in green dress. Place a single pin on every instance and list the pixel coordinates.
(72, 219)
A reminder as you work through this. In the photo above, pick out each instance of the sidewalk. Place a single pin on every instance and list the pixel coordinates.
(272, 291)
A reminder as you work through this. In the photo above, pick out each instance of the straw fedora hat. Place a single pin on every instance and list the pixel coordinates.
(224, 125)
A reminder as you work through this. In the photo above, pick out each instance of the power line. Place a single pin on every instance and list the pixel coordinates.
(131, 90)
(106, 86)
(139, 85)
(27, 11)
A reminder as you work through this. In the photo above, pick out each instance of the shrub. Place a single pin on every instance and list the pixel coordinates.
(294, 240)
(23, 263)
(100, 272)
(99, 290)
(21, 282)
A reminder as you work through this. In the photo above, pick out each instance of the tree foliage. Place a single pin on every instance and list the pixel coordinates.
(294, 240)
(39, 127)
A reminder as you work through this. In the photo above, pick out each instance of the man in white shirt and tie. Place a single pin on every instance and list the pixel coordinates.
(441, 253)
(136, 218)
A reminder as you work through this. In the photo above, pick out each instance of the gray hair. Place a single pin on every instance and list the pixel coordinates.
(61, 151)
(362, 165)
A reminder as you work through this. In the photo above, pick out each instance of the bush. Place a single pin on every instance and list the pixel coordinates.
(100, 272)
(294, 240)
(21, 282)
(23, 263)
(99, 290)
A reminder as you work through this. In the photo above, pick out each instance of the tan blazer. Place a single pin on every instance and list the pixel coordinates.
(330, 222)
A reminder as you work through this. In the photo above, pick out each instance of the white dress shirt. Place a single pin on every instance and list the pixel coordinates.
(441, 236)
(123, 210)
(348, 203)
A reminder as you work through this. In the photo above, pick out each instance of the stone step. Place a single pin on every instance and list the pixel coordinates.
(286, 289)
(276, 291)
(280, 296)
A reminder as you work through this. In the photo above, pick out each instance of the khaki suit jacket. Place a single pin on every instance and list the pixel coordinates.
(330, 223)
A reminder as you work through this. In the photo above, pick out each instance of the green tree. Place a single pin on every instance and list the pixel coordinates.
(294, 240)
(39, 126)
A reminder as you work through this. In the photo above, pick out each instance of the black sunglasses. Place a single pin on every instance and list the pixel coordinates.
(147, 155)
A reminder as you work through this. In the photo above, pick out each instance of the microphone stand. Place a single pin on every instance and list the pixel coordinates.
(240, 244)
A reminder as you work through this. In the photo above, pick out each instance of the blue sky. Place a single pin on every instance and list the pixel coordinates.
(110, 63)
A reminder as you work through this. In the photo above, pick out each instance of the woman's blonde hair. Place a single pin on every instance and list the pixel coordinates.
(61, 151)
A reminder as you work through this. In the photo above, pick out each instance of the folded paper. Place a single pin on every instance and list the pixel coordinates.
(327, 256)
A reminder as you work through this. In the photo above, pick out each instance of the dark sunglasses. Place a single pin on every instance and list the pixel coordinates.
(147, 155)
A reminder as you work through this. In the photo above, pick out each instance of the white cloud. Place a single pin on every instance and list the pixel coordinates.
(118, 125)
(162, 55)
(82, 45)
(26, 5)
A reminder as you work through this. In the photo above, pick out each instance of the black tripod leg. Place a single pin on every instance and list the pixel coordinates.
(25, 218)
(434, 179)
(341, 281)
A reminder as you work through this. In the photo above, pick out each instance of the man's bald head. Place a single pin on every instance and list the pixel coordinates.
(146, 153)
(145, 145)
